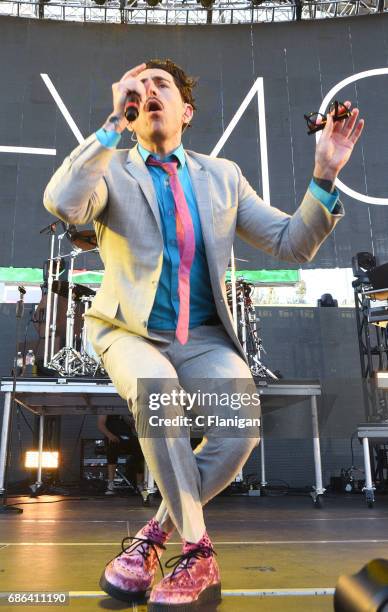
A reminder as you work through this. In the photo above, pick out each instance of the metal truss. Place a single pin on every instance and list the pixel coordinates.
(373, 349)
(189, 12)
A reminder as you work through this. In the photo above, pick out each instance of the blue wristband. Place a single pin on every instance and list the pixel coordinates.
(329, 200)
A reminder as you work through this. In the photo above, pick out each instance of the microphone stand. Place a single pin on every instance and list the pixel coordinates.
(19, 315)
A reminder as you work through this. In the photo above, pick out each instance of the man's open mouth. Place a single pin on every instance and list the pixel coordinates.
(153, 105)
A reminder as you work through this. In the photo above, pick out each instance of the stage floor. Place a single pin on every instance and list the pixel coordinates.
(262, 543)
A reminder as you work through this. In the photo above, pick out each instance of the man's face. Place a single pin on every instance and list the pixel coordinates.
(163, 113)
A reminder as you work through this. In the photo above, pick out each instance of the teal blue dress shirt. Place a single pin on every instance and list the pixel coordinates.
(164, 314)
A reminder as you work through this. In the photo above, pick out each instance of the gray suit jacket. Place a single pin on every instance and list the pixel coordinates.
(114, 189)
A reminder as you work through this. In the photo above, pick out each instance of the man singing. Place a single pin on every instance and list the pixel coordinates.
(165, 220)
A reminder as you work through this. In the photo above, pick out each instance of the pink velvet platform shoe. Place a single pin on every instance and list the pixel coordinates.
(130, 574)
(193, 583)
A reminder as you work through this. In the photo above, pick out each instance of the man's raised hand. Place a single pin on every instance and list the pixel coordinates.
(336, 144)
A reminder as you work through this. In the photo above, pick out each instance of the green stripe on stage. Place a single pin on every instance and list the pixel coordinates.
(85, 277)
(35, 276)
(268, 276)
(21, 275)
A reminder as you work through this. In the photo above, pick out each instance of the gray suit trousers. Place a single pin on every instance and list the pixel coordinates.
(187, 480)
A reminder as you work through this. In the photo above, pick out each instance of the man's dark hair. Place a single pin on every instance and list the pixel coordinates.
(184, 82)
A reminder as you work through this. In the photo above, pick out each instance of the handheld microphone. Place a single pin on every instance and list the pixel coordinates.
(132, 104)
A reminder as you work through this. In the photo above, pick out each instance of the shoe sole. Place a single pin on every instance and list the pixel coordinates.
(210, 595)
(127, 596)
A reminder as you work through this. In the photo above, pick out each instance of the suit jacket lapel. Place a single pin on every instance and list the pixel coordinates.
(201, 185)
(137, 168)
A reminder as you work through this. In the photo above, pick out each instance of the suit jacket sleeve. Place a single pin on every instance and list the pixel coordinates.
(77, 193)
(296, 237)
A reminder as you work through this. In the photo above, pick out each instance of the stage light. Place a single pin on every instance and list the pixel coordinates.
(207, 4)
(327, 301)
(153, 2)
(257, 2)
(381, 378)
(50, 459)
(361, 263)
(100, 2)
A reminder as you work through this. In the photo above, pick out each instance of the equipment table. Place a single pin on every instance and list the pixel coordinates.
(378, 433)
(64, 396)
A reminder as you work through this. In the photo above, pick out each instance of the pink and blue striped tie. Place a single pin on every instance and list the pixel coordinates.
(186, 246)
